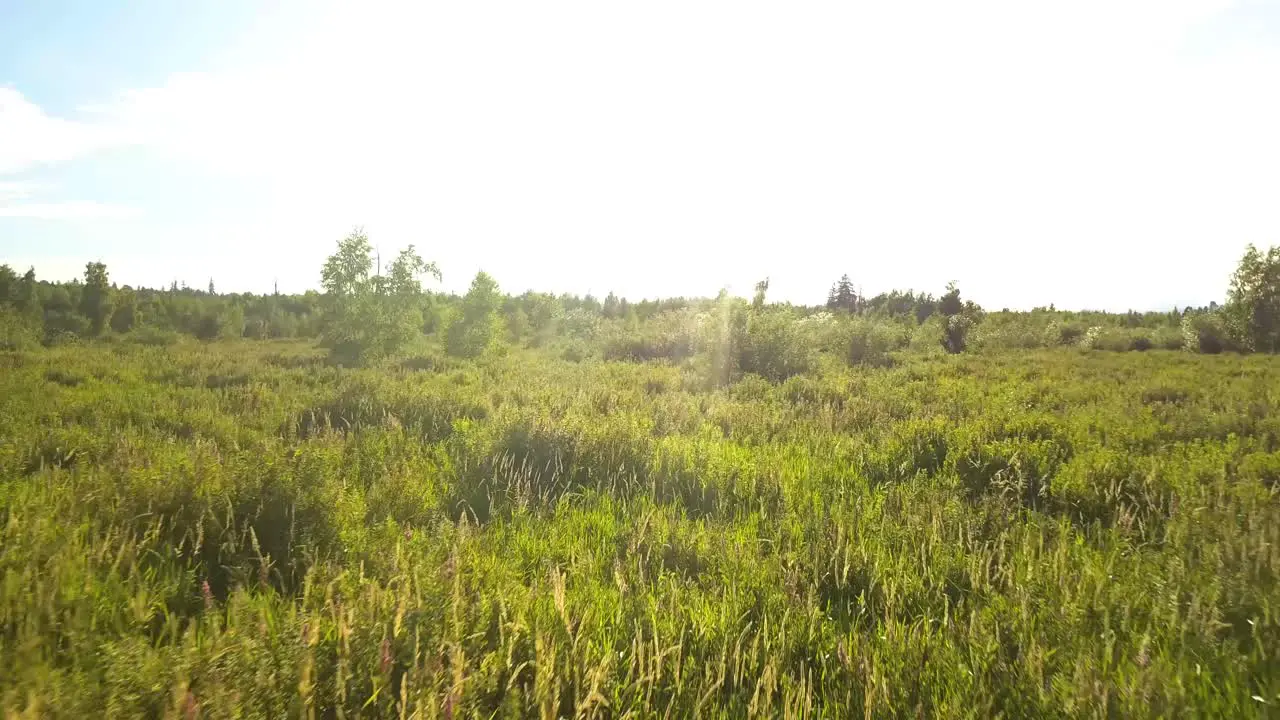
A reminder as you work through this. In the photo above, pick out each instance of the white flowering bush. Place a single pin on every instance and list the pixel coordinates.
(1090, 338)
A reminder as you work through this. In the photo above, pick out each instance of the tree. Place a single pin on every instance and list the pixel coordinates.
(611, 308)
(757, 300)
(8, 285)
(955, 332)
(125, 315)
(1252, 312)
(18, 327)
(958, 318)
(926, 306)
(950, 305)
(61, 319)
(27, 298)
(95, 298)
(345, 276)
(517, 324)
(370, 316)
(843, 296)
(543, 310)
(401, 281)
(475, 329)
(211, 290)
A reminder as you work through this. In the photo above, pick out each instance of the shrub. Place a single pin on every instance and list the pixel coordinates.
(63, 327)
(752, 388)
(1167, 338)
(1205, 333)
(1110, 339)
(1253, 304)
(773, 348)
(478, 326)
(470, 339)
(66, 378)
(1007, 331)
(427, 361)
(221, 323)
(1090, 338)
(575, 351)
(667, 337)
(1070, 333)
(870, 343)
(153, 336)
(16, 334)
(955, 333)
(927, 338)
(368, 316)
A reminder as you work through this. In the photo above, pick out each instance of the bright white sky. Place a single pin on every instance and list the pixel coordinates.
(1093, 153)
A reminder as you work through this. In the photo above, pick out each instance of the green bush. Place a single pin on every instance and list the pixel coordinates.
(16, 333)
(1206, 333)
(955, 333)
(575, 351)
(1167, 338)
(478, 326)
(773, 348)
(1110, 339)
(870, 343)
(1070, 333)
(153, 336)
(670, 336)
(927, 337)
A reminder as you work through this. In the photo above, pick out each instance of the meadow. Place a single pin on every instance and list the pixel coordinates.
(242, 528)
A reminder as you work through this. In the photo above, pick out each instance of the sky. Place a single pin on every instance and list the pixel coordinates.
(1100, 154)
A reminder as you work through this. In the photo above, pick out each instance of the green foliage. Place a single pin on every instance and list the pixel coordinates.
(8, 285)
(673, 336)
(766, 511)
(773, 347)
(955, 332)
(1115, 339)
(17, 332)
(724, 329)
(950, 305)
(958, 319)
(26, 297)
(1167, 338)
(870, 343)
(1252, 313)
(843, 296)
(238, 529)
(544, 312)
(368, 315)
(125, 314)
(757, 300)
(220, 321)
(1206, 333)
(95, 297)
(1069, 333)
(154, 336)
(478, 326)
(926, 339)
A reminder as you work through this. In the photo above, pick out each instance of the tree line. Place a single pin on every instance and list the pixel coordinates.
(363, 314)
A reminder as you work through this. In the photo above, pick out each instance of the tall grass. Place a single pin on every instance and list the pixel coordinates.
(239, 530)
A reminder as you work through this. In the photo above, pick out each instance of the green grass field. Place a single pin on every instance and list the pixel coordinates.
(240, 529)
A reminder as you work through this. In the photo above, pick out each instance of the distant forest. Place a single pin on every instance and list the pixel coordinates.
(363, 314)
